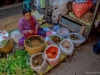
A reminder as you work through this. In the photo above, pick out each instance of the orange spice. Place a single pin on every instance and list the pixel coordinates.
(52, 52)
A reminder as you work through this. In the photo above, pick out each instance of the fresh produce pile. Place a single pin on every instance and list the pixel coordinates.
(35, 41)
(16, 64)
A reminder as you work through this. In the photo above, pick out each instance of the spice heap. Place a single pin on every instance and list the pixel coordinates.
(56, 39)
(73, 37)
(37, 60)
(66, 45)
(35, 41)
(52, 52)
(87, 17)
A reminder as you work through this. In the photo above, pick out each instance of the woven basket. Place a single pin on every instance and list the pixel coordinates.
(8, 48)
(33, 50)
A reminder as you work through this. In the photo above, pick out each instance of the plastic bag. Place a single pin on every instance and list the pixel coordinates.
(36, 3)
(55, 61)
(50, 37)
(81, 8)
(16, 35)
(4, 38)
(55, 16)
(42, 3)
(63, 32)
(65, 51)
(53, 3)
(62, 6)
(80, 39)
(41, 68)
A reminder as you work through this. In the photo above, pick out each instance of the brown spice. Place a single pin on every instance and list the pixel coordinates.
(37, 60)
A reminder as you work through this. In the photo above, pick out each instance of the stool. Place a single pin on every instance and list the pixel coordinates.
(27, 4)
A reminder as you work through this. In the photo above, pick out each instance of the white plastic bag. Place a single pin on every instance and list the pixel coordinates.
(63, 32)
(41, 68)
(52, 41)
(36, 3)
(55, 16)
(4, 38)
(55, 61)
(16, 35)
(62, 6)
(77, 42)
(65, 51)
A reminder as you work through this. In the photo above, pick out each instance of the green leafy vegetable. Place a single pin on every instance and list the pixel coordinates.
(16, 64)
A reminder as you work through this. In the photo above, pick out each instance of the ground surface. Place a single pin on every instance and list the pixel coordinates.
(83, 61)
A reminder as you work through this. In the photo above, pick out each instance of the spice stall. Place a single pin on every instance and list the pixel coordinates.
(55, 42)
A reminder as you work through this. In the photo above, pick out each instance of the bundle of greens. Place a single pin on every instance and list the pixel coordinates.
(16, 64)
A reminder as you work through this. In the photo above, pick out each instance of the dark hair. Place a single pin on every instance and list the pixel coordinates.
(26, 11)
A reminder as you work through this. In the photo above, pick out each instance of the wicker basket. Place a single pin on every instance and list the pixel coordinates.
(33, 50)
(8, 47)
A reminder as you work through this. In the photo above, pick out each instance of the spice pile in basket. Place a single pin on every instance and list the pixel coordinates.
(34, 41)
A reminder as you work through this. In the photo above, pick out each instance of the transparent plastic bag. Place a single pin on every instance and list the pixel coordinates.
(63, 32)
(80, 39)
(55, 61)
(65, 51)
(41, 68)
(16, 35)
(62, 6)
(55, 16)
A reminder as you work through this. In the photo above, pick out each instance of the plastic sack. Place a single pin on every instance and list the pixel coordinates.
(4, 38)
(55, 61)
(77, 42)
(62, 6)
(55, 16)
(81, 8)
(56, 27)
(63, 32)
(54, 42)
(16, 35)
(65, 51)
(41, 68)
(53, 3)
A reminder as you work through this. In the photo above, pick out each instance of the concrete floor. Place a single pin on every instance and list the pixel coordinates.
(83, 61)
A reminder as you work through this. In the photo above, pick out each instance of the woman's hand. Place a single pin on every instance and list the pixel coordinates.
(30, 31)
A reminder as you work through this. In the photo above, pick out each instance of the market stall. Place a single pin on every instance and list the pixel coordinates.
(54, 42)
